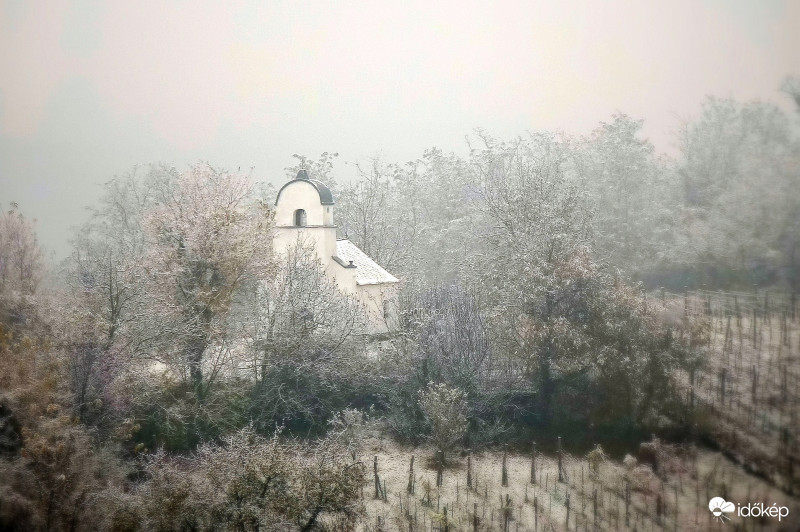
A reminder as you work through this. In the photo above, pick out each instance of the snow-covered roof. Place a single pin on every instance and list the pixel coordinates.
(367, 270)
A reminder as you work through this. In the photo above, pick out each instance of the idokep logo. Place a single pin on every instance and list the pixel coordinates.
(758, 509)
(719, 507)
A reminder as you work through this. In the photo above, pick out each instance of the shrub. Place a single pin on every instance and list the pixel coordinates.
(247, 482)
(54, 483)
(445, 409)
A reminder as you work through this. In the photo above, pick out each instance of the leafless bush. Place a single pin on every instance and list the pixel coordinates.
(247, 482)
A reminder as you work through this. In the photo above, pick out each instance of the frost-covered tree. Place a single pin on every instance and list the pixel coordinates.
(155, 278)
(307, 343)
(445, 410)
(791, 86)
(106, 312)
(562, 320)
(21, 265)
(163, 257)
(320, 168)
(420, 220)
(739, 167)
(447, 337)
(539, 214)
(207, 236)
(373, 214)
(631, 194)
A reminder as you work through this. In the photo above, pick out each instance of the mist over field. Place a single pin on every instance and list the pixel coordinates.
(360, 267)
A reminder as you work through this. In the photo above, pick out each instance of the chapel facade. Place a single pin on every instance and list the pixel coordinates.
(304, 213)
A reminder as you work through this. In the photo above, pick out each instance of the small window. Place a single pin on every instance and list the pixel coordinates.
(300, 218)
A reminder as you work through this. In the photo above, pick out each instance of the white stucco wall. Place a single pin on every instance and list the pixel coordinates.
(345, 278)
(373, 297)
(299, 194)
(319, 227)
(322, 238)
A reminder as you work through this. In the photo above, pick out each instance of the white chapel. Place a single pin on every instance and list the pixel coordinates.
(304, 212)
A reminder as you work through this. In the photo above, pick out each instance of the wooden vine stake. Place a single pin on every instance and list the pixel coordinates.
(469, 469)
(377, 480)
(627, 504)
(439, 472)
(504, 474)
(410, 487)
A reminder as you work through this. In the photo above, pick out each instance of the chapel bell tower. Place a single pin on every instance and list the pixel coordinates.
(304, 211)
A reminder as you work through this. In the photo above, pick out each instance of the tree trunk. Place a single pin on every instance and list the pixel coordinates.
(196, 346)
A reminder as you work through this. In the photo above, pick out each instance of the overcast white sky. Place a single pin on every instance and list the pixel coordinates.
(90, 88)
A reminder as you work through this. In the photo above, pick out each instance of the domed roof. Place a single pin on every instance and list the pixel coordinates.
(325, 195)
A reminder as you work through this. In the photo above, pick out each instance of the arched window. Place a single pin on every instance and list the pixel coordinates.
(300, 218)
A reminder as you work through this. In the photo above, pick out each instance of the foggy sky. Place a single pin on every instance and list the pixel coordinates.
(88, 89)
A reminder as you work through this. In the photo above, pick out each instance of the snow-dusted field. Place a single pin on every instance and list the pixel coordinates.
(688, 478)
